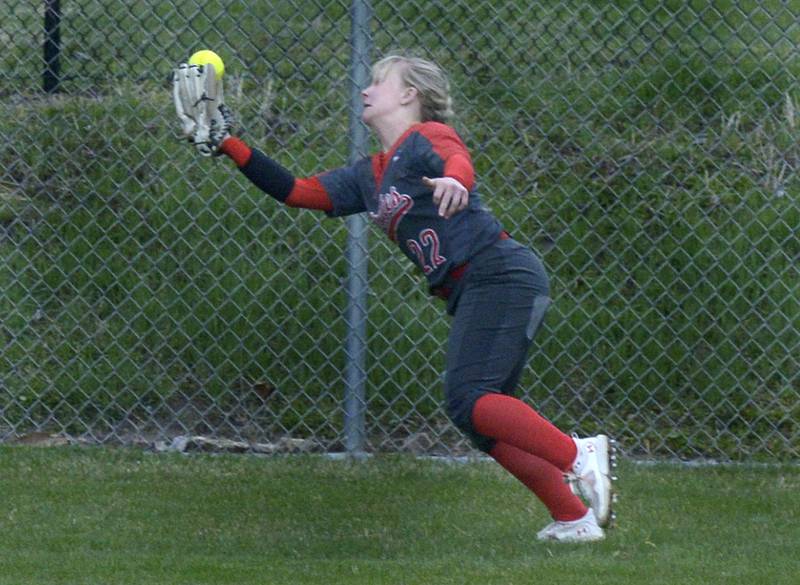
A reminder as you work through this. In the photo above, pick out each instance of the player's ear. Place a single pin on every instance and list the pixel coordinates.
(409, 95)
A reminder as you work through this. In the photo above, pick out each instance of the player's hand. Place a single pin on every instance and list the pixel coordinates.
(199, 104)
(449, 194)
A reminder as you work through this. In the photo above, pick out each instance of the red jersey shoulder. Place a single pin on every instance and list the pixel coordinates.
(444, 140)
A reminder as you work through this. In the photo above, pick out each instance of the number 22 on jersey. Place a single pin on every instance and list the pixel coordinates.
(426, 249)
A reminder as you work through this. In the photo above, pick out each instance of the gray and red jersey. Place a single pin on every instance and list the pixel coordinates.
(389, 188)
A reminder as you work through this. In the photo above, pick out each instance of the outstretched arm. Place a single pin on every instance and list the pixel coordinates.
(207, 123)
(274, 179)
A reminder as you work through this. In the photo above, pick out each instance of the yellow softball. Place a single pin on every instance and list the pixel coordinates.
(206, 57)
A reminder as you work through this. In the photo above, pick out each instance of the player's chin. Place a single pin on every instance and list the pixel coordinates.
(366, 115)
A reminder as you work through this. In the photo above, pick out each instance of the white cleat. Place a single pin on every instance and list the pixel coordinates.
(584, 529)
(591, 476)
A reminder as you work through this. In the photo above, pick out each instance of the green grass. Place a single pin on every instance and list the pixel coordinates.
(112, 516)
(650, 145)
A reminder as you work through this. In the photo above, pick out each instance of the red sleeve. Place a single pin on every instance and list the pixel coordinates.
(236, 149)
(448, 145)
(309, 194)
(459, 166)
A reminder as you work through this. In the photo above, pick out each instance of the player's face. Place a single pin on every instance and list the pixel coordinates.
(384, 97)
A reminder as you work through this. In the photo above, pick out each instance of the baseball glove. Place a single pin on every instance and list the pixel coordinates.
(199, 104)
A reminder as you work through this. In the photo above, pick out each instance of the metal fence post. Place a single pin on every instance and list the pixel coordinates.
(354, 403)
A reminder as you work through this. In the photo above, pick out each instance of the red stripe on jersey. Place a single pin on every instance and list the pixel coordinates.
(379, 160)
(378, 166)
(309, 194)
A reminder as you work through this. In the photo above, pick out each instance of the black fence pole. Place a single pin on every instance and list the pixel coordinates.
(52, 45)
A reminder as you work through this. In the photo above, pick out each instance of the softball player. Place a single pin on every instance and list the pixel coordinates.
(420, 190)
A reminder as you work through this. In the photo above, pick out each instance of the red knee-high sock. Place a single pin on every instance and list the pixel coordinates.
(508, 420)
(543, 479)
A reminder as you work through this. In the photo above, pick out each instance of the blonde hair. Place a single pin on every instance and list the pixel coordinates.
(427, 78)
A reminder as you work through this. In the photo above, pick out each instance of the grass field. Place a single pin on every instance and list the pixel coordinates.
(116, 516)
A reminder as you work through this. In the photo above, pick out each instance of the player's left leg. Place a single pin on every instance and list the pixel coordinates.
(510, 420)
(500, 308)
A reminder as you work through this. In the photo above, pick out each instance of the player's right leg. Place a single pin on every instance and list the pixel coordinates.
(585, 463)
(585, 529)
(572, 520)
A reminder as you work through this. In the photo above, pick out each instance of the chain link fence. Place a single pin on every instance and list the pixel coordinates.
(647, 150)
